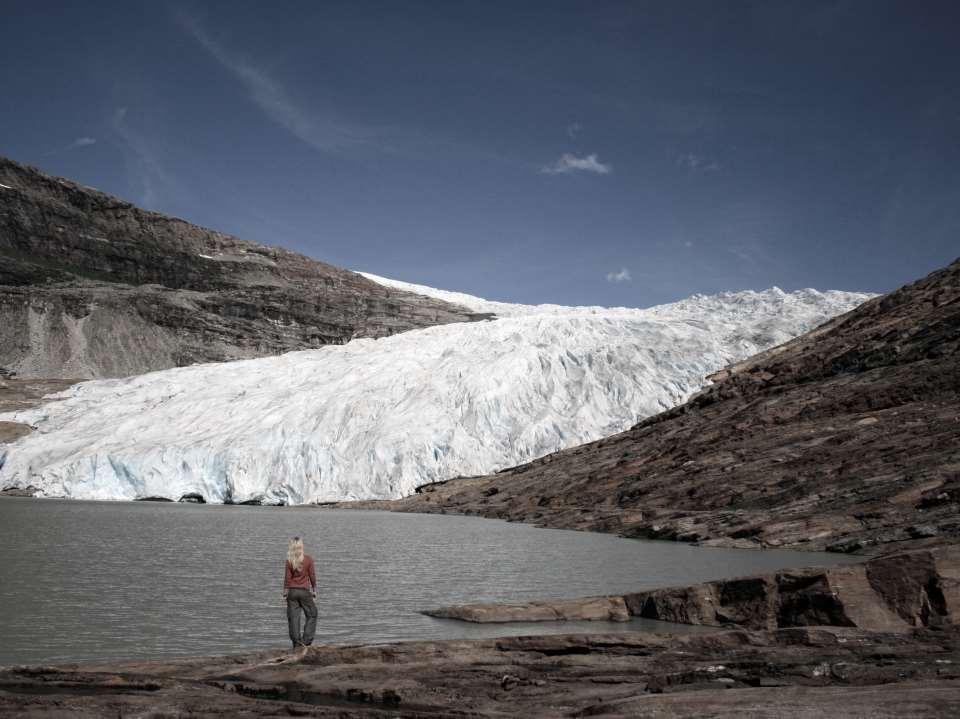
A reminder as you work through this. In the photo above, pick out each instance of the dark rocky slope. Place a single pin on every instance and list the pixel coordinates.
(846, 439)
(92, 286)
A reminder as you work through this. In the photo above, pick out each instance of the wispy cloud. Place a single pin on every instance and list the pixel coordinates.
(698, 163)
(623, 275)
(320, 132)
(79, 142)
(142, 160)
(743, 255)
(82, 142)
(569, 163)
(573, 129)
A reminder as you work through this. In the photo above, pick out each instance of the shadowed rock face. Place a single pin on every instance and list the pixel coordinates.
(891, 594)
(846, 439)
(91, 286)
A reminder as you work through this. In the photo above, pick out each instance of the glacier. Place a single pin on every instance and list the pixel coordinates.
(374, 418)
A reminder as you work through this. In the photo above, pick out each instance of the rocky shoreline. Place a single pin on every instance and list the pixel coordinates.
(797, 672)
(879, 638)
(894, 593)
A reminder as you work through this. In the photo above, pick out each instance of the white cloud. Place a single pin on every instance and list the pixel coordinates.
(569, 163)
(743, 255)
(622, 276)
(82, 142)
(698, 163)
(573, 129)
(322, 133)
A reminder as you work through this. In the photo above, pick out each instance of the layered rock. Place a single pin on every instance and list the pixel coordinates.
(787, 672)
(920, 588)
(846, 439)
(92, 286)
(594, 609)
(895, 593)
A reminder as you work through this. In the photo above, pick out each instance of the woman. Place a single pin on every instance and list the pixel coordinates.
(300, 589)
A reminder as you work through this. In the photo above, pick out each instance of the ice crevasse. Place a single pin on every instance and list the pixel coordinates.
(376, 418)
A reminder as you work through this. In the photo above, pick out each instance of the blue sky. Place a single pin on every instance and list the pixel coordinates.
(590, 153)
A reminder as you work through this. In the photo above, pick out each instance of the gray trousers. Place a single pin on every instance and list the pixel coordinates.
(297, 600)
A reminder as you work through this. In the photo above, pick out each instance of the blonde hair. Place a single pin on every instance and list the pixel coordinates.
(295, 553)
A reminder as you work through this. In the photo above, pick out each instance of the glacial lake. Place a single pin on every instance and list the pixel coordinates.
(117, 580)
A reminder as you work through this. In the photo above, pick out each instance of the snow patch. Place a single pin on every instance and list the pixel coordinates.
(478, 304)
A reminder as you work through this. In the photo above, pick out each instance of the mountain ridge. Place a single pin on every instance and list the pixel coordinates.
(93, 286)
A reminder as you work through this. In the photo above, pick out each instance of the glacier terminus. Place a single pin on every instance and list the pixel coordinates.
(374, 418)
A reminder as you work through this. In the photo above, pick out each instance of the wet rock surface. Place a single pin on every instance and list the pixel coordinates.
(845, 439)
(92, 286)
(592, 609)
(785, 672)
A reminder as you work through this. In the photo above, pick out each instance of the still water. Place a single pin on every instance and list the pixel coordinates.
(113, 580)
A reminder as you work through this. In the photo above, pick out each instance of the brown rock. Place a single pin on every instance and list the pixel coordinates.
(892, 594)
(789, 672)
(12, 431)
(606, 609)
(28, 491)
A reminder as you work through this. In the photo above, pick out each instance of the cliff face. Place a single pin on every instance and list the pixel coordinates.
(847, 439)
(92, 286)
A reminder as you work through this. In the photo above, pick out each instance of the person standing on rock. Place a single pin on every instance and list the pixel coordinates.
(300, 590)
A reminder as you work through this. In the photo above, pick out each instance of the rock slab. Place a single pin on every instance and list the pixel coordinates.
(894, 593)
(603, 609)
(793, 672)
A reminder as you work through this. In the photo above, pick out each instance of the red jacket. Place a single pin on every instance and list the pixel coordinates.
(304, 578)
